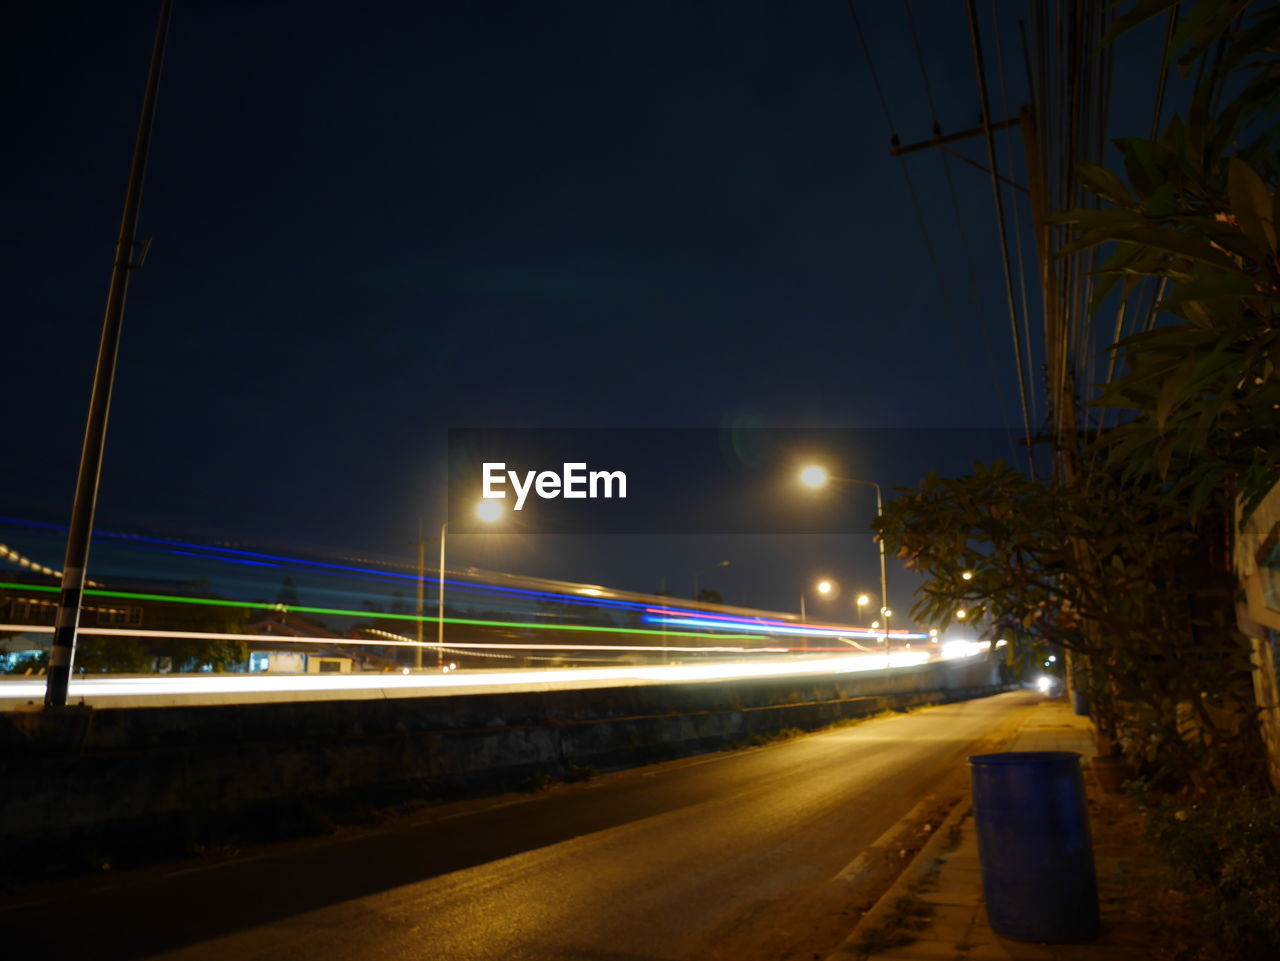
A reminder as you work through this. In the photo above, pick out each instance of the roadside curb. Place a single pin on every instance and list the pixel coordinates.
(933, 853)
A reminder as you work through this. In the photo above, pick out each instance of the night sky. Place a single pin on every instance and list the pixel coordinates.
(376, 222)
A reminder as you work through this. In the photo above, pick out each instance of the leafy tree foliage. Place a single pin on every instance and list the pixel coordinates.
(1105, 570)
(1197, 213)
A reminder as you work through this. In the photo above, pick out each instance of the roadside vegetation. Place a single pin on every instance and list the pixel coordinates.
(1123, 560)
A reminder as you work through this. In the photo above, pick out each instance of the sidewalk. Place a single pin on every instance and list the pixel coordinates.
(937, 904)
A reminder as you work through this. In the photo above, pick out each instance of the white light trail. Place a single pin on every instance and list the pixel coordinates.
(282, 687)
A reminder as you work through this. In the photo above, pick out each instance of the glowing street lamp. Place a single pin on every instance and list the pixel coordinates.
(967, 575)
(814, 477)
(863, 600)
(488, 510)
(823, 587)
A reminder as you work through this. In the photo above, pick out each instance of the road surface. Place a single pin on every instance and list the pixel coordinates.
(748, 855)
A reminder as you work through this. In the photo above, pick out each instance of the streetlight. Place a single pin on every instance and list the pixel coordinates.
(863, 600)
(823, 587)
(815, 477)
(708, 570)
(488, 510)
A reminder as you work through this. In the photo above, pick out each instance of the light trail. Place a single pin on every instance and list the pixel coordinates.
(225, 687)
(581, 595)
(342, 641)
(347, 612)
(807, 630)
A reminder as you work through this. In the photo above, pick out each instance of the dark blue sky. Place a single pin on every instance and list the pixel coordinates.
(374, 222)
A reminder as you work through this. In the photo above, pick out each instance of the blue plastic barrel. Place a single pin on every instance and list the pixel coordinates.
(1033, 841)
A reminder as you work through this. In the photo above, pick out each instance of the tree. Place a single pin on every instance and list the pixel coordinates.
(1196, 214)
(1145, 601)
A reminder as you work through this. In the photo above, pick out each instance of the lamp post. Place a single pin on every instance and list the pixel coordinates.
(488, 511)
(823, 587)
(816, 477)
(708, 570)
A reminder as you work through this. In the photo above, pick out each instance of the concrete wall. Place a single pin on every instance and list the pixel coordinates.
(171, 776)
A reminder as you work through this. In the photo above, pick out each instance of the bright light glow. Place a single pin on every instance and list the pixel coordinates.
(591, 591)
(863, 600)
(886, 612)
(1052, 658)
(1001, 643)
(933, 632)
(875, 623)
(233, 687)
(824, 587)
(962, 614)
(489, 510)
(814, 477)
(1043, 683)
(954, 649)
(766, 627)
(967, 575)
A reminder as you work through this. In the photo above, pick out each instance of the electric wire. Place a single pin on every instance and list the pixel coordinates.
(1000, 220)
(1017, 218)
(911, 189)
(965, 247)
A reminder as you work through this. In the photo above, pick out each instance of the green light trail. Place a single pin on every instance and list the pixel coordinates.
(285, 608)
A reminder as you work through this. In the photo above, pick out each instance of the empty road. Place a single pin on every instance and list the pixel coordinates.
(749, 855)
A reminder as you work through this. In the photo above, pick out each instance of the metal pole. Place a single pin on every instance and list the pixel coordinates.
(884, 584)
(62, 655)
(440, 604)
(422, 577)
(804, 620)
(884, 581)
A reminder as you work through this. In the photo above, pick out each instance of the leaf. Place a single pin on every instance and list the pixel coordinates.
(1252, 204)
(1141, 12)
(1105, 184)
(1205, 487)
(1178, 242)
(1208, 22)
(1209, 287)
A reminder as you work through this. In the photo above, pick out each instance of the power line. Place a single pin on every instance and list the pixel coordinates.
(965, 249)
(1004, 238)
(911, 189)
(1017, 217)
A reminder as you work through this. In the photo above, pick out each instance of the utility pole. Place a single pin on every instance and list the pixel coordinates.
(62, 655)
(1061, 387)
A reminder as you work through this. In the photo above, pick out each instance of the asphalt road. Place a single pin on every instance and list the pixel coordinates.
(749, 855)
